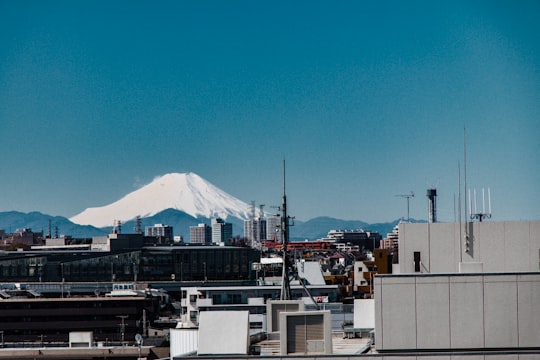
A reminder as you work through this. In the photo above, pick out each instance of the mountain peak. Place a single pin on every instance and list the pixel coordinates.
(187, 192)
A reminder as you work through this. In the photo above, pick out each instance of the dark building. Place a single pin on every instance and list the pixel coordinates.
(152, 263)
(367, 240)
(51, 320)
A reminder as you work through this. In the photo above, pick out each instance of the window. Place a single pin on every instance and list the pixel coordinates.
(417, 261)
(234, 298)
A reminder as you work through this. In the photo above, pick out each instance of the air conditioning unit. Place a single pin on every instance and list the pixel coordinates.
(306, 332)
(275, 307)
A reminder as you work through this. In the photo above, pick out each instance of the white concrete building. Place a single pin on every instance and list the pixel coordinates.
(462, 288)
(510, 246)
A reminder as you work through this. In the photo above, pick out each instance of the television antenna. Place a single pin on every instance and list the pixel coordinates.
(285, 293)
(480, 215)
(408, 197)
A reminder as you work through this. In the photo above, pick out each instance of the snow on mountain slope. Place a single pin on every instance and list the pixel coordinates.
(187, 192)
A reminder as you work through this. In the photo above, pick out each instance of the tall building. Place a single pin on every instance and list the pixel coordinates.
(221, 231)
(273, 228)
(201, 234)
(163, 232)
(255, 231)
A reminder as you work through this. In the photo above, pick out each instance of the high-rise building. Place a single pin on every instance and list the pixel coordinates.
(221, 231)
(273, 228)
(255, 231)
(201, 234)
(163, 232)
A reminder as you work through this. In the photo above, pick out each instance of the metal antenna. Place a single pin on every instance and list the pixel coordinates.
(408, 197)
(480, 215)
(285, 285)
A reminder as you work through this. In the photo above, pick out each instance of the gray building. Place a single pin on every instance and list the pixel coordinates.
(273, 228)
(255, 231)
(221, 231)
(163, 232)
(201, 234)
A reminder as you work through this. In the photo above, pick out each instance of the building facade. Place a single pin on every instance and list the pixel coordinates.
(221, 231)
(509, 246)
(273, 228)
(457, 312)
(466, 290)
(152, 263)
(366, 240)
(163, 232)
(255, 231)
(201, 234)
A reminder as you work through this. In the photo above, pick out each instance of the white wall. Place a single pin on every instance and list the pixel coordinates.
(459, 311)
(223, 332)
(183, 341)
(364, 314)
(499, 246)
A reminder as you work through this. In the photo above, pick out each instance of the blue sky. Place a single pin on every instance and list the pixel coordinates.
(364, 99)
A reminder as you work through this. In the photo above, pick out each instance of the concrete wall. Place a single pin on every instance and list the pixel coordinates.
(364, 314)
(457, 312)
(223, 332)
(497, 246)
(183, 341)
(81, 339)
(424, 356)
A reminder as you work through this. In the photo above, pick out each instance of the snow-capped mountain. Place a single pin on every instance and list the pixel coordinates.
(187, 192)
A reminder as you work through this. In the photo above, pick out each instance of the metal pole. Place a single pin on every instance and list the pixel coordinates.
(285, 286)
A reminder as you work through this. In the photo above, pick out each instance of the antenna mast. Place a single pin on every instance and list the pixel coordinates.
(408, 197)
(285, 285)
(465, 181)
(480, 215)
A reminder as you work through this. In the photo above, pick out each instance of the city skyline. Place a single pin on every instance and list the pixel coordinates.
(364, 101)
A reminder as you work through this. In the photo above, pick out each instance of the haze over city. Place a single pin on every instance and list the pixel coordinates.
(364, 100)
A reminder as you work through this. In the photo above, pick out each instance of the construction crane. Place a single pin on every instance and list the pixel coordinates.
(408, 197)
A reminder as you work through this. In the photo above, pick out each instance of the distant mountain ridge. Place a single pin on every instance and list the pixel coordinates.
(10, 221)
(179, 200)
(309, 230)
